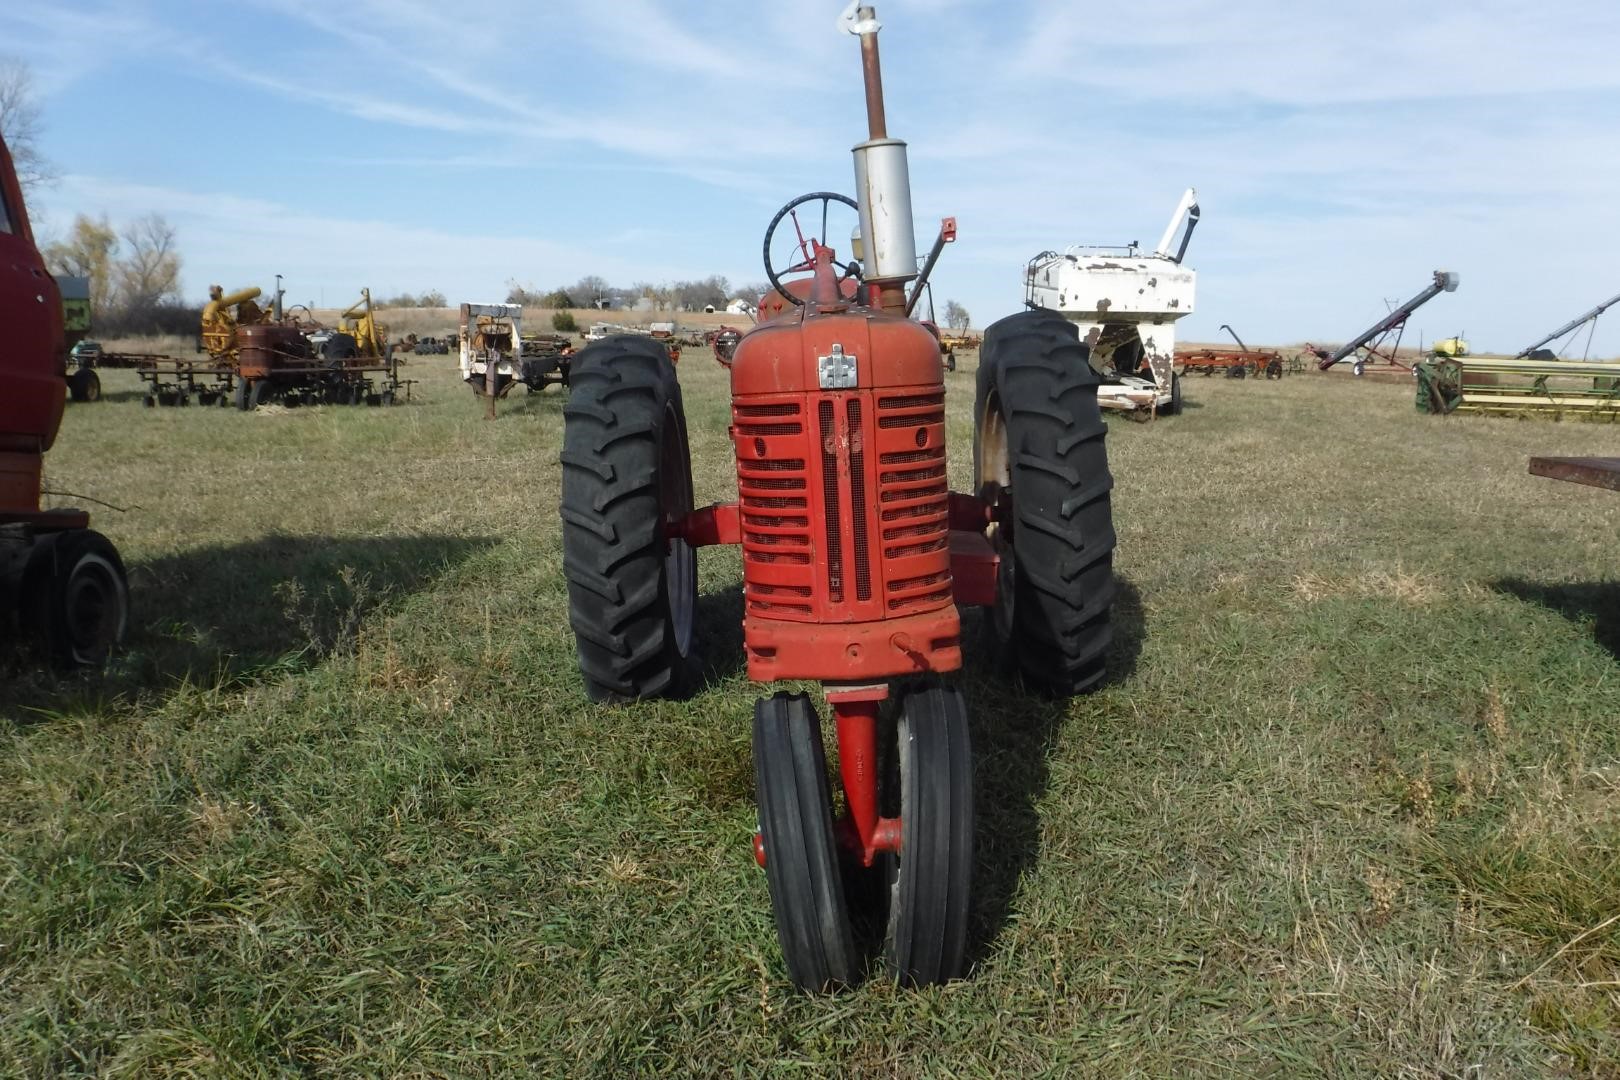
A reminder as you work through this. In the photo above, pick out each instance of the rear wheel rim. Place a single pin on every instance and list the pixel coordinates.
(92, 606)
(680, 558)
(995, 477)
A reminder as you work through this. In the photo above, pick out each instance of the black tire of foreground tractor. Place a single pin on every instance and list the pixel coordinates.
(1274, 369)
(632, 596)
(801, 848)
(1175, 395)
(74, 598)
(1039, 435)
(931, 879)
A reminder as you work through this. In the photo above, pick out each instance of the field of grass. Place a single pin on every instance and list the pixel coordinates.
(1349, 805)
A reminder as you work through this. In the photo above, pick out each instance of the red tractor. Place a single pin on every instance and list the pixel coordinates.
(857, 562)
(61, 584)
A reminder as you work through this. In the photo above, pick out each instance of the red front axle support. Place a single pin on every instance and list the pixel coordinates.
(855, 712)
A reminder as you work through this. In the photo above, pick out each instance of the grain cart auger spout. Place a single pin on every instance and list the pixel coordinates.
(857, 558)
(1371, 341)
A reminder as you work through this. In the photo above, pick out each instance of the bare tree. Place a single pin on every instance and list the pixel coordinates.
(20, 124)
(591, 290)
(150, 273)
(957, 317)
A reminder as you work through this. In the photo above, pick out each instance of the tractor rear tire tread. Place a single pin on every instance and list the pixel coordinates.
(613, 533)
(1033, 364)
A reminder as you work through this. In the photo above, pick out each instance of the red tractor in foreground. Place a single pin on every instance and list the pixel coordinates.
(62, 585)
(857, 561)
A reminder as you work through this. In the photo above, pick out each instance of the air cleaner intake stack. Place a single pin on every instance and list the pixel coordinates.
(882, 181)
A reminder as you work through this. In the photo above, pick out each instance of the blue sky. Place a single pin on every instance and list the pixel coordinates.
(1341, 152)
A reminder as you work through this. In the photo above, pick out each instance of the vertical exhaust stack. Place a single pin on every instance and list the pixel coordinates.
(882, 180)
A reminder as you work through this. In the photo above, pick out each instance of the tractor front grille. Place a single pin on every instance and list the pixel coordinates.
(834, 517)
(857, 501)
(844, 505)
(913, 502)
(773, 498)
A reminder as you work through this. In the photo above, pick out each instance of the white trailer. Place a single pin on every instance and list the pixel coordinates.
(491, 334)
(1126, 302)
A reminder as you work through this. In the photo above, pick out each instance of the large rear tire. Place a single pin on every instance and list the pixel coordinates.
(801, 849)
(1038, 444)
(632, 591)
(930, 879)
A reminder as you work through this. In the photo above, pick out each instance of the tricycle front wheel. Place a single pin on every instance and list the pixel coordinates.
(801, 850)
(930, 878)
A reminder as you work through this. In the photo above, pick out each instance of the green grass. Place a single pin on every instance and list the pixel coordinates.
(1350, 805)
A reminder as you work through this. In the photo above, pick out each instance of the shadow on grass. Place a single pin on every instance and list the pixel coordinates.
(717, 629)
(551, 399)
(227, 613)
(1013, 731)
(111, 396)
(1580, 601)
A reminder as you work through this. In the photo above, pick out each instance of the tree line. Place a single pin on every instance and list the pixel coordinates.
(595, 292)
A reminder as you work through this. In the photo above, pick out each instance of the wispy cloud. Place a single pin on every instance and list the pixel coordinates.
(1340, 152)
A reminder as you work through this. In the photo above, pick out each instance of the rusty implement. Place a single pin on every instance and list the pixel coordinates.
(1231, 362)
(1599, 472)
(1236, 364)
(1551, 388)
(170, 381)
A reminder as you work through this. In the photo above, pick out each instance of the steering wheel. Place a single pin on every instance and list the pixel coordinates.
(804, 250)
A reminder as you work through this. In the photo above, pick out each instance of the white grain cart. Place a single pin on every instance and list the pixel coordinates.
(491, 346)
(1126, 302)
